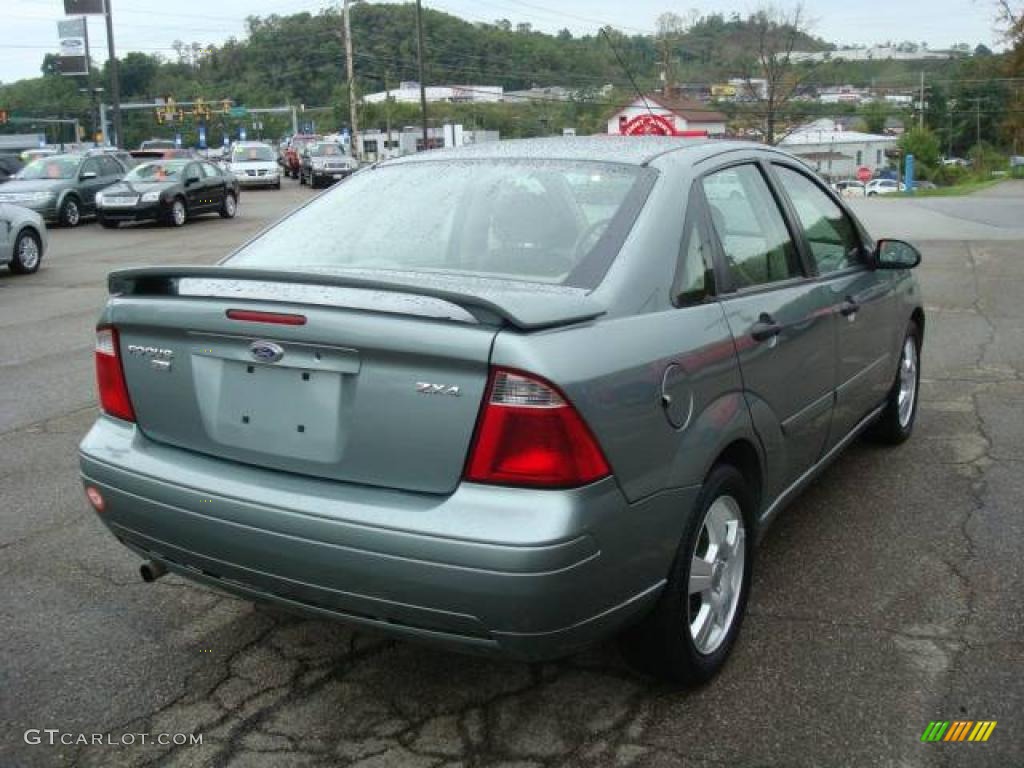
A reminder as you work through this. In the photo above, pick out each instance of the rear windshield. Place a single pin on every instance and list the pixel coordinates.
(538, 221)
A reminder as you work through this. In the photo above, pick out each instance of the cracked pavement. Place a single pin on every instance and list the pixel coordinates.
(888, 595)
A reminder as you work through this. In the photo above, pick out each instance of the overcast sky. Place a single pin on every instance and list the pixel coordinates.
(30, 29)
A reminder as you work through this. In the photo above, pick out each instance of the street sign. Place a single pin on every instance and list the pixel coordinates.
(202, 136)
(75, 7)
(241, 133)
(238, 112)
(864, 174)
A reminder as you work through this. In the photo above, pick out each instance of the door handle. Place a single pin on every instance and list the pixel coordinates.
(765, 328)
(849, 307)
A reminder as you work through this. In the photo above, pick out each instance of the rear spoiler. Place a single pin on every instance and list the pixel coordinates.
(525, 306)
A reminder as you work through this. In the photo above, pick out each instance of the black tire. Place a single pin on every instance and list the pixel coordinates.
(70, 214)
(171, 217)
(302, 179)
(662, 644)
(890, 428)
(28, 253)
(108, 224)
(229, 207)
(278, 185)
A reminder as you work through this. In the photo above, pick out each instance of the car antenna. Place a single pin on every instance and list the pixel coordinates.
(629, 74)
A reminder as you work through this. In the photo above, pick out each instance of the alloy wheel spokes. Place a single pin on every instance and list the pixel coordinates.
(716, 574)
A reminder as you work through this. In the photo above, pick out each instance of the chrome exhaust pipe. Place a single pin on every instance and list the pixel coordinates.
(151, 570)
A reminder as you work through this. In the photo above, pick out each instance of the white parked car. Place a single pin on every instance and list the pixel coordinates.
(254, 164)
(849, 188)
(883, 187)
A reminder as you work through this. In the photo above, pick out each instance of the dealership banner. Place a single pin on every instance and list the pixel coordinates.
(73, 59)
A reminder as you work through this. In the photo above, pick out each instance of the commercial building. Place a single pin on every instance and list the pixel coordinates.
(660, 116)
(408, 92)
(836, 153)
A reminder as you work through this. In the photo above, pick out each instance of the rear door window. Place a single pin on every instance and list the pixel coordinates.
(750, 227)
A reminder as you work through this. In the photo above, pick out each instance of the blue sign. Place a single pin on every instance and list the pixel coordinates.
(177, 140)
(226, 141)
(241, 133)
(908, 174)
(202, 135)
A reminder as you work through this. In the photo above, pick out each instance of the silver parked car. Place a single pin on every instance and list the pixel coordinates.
(22, 239)
(562, 399)
(63, 188)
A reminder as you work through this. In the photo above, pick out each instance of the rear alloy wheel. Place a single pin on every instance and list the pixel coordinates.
(70, 214)
(688, 635)
(177, 216)
(28, 253)
(230, 206)
(896, 422)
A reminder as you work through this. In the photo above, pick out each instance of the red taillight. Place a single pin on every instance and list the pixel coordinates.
(276, 318)
(110, 381)
(529, 435)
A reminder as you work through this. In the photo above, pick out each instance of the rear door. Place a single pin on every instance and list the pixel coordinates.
(781, 321)
(214, 183)
(862, 301)
(195, 189)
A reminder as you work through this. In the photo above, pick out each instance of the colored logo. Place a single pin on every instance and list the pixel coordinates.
(958, 730)
(266, 351)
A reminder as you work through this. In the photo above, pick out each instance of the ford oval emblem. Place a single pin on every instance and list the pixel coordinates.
(266, 351)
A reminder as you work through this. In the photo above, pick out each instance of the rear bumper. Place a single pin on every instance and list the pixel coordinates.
(527, 574)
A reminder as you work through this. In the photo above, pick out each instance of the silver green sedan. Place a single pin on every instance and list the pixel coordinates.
(23, 239)
(510, 398)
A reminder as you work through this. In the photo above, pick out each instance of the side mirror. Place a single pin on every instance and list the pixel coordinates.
(191, 180)
(896, 254)
(86, 175)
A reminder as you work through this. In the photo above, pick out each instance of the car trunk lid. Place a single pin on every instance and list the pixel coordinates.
(346, 379)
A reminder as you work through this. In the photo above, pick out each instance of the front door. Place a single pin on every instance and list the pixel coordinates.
(862, 300)
(90, 181)
(781, 322)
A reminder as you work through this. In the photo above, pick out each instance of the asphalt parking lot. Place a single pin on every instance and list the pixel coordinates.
(889, 595)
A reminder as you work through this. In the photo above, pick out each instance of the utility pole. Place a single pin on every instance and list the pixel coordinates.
(423, 87)
(387, 117)
(977, 119)
(920, 122)
(351, 87)
(115, 79)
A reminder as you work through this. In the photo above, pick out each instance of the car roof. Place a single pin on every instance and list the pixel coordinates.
(629, 150)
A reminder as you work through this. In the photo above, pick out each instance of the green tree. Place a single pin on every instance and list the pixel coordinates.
(874, 116)
(923, 144)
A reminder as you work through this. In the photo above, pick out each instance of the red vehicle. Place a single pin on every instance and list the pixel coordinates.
(292, 159)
